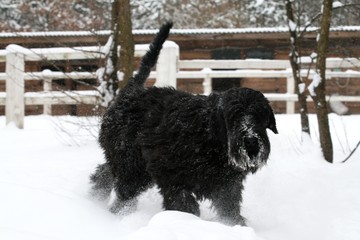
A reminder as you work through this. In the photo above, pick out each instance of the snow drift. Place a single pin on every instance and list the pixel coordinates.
(44, 187)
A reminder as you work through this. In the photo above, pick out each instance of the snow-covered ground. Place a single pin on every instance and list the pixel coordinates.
(44, 171)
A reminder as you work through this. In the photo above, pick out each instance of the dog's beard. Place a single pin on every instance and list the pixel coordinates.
(240, 159)
(239, 156)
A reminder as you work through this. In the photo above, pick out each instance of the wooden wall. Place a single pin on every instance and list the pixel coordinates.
(198, 46)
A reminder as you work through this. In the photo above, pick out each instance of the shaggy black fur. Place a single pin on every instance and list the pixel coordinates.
(192, 147)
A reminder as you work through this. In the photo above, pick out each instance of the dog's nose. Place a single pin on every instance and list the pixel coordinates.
(251, 146)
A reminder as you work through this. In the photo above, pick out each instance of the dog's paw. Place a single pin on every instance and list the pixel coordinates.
(239, 220)
(122, 208)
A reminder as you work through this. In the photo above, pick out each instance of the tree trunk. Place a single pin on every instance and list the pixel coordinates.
(126, 40)
(110, 73)
(320, 92)
(294, 61)
(121, 35)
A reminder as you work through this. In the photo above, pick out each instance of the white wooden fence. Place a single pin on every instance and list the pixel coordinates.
(168, 70)
(256, 68)
(16, 56)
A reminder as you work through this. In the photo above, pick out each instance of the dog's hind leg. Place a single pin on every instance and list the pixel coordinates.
(102, 182)
(131, 180)
(180, 199)
(126, 194)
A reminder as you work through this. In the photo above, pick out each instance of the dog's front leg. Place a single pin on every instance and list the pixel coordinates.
(180, 199)
(227, 202)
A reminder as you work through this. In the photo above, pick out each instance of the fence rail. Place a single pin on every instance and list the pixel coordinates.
(16, 57)
(169, 68)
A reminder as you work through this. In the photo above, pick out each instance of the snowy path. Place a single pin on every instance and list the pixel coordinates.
(44, 183)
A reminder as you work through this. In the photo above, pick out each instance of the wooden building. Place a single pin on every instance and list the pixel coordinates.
(263, 43)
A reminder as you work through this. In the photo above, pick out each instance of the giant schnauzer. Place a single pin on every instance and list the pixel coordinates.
(192, 147)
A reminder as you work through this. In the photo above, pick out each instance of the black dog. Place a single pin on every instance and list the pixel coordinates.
(192, 147)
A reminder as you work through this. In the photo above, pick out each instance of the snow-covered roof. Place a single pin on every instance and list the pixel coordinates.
(173, 31)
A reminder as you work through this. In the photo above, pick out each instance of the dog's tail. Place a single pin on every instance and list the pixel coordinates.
(151, 57)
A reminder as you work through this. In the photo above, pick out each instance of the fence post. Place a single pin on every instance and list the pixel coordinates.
(207, 84)
(290, 89)
(15, 103)
(166, 67)
(47, 88)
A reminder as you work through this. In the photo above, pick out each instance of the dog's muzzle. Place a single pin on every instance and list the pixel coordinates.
(251, 146)
(249, 154)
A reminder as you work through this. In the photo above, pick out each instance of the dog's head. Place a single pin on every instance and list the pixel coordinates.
(242, 117)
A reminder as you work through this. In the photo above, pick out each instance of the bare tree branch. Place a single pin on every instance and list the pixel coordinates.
(352, 152)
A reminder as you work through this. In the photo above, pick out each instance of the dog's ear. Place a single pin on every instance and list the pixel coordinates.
(272, 122)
